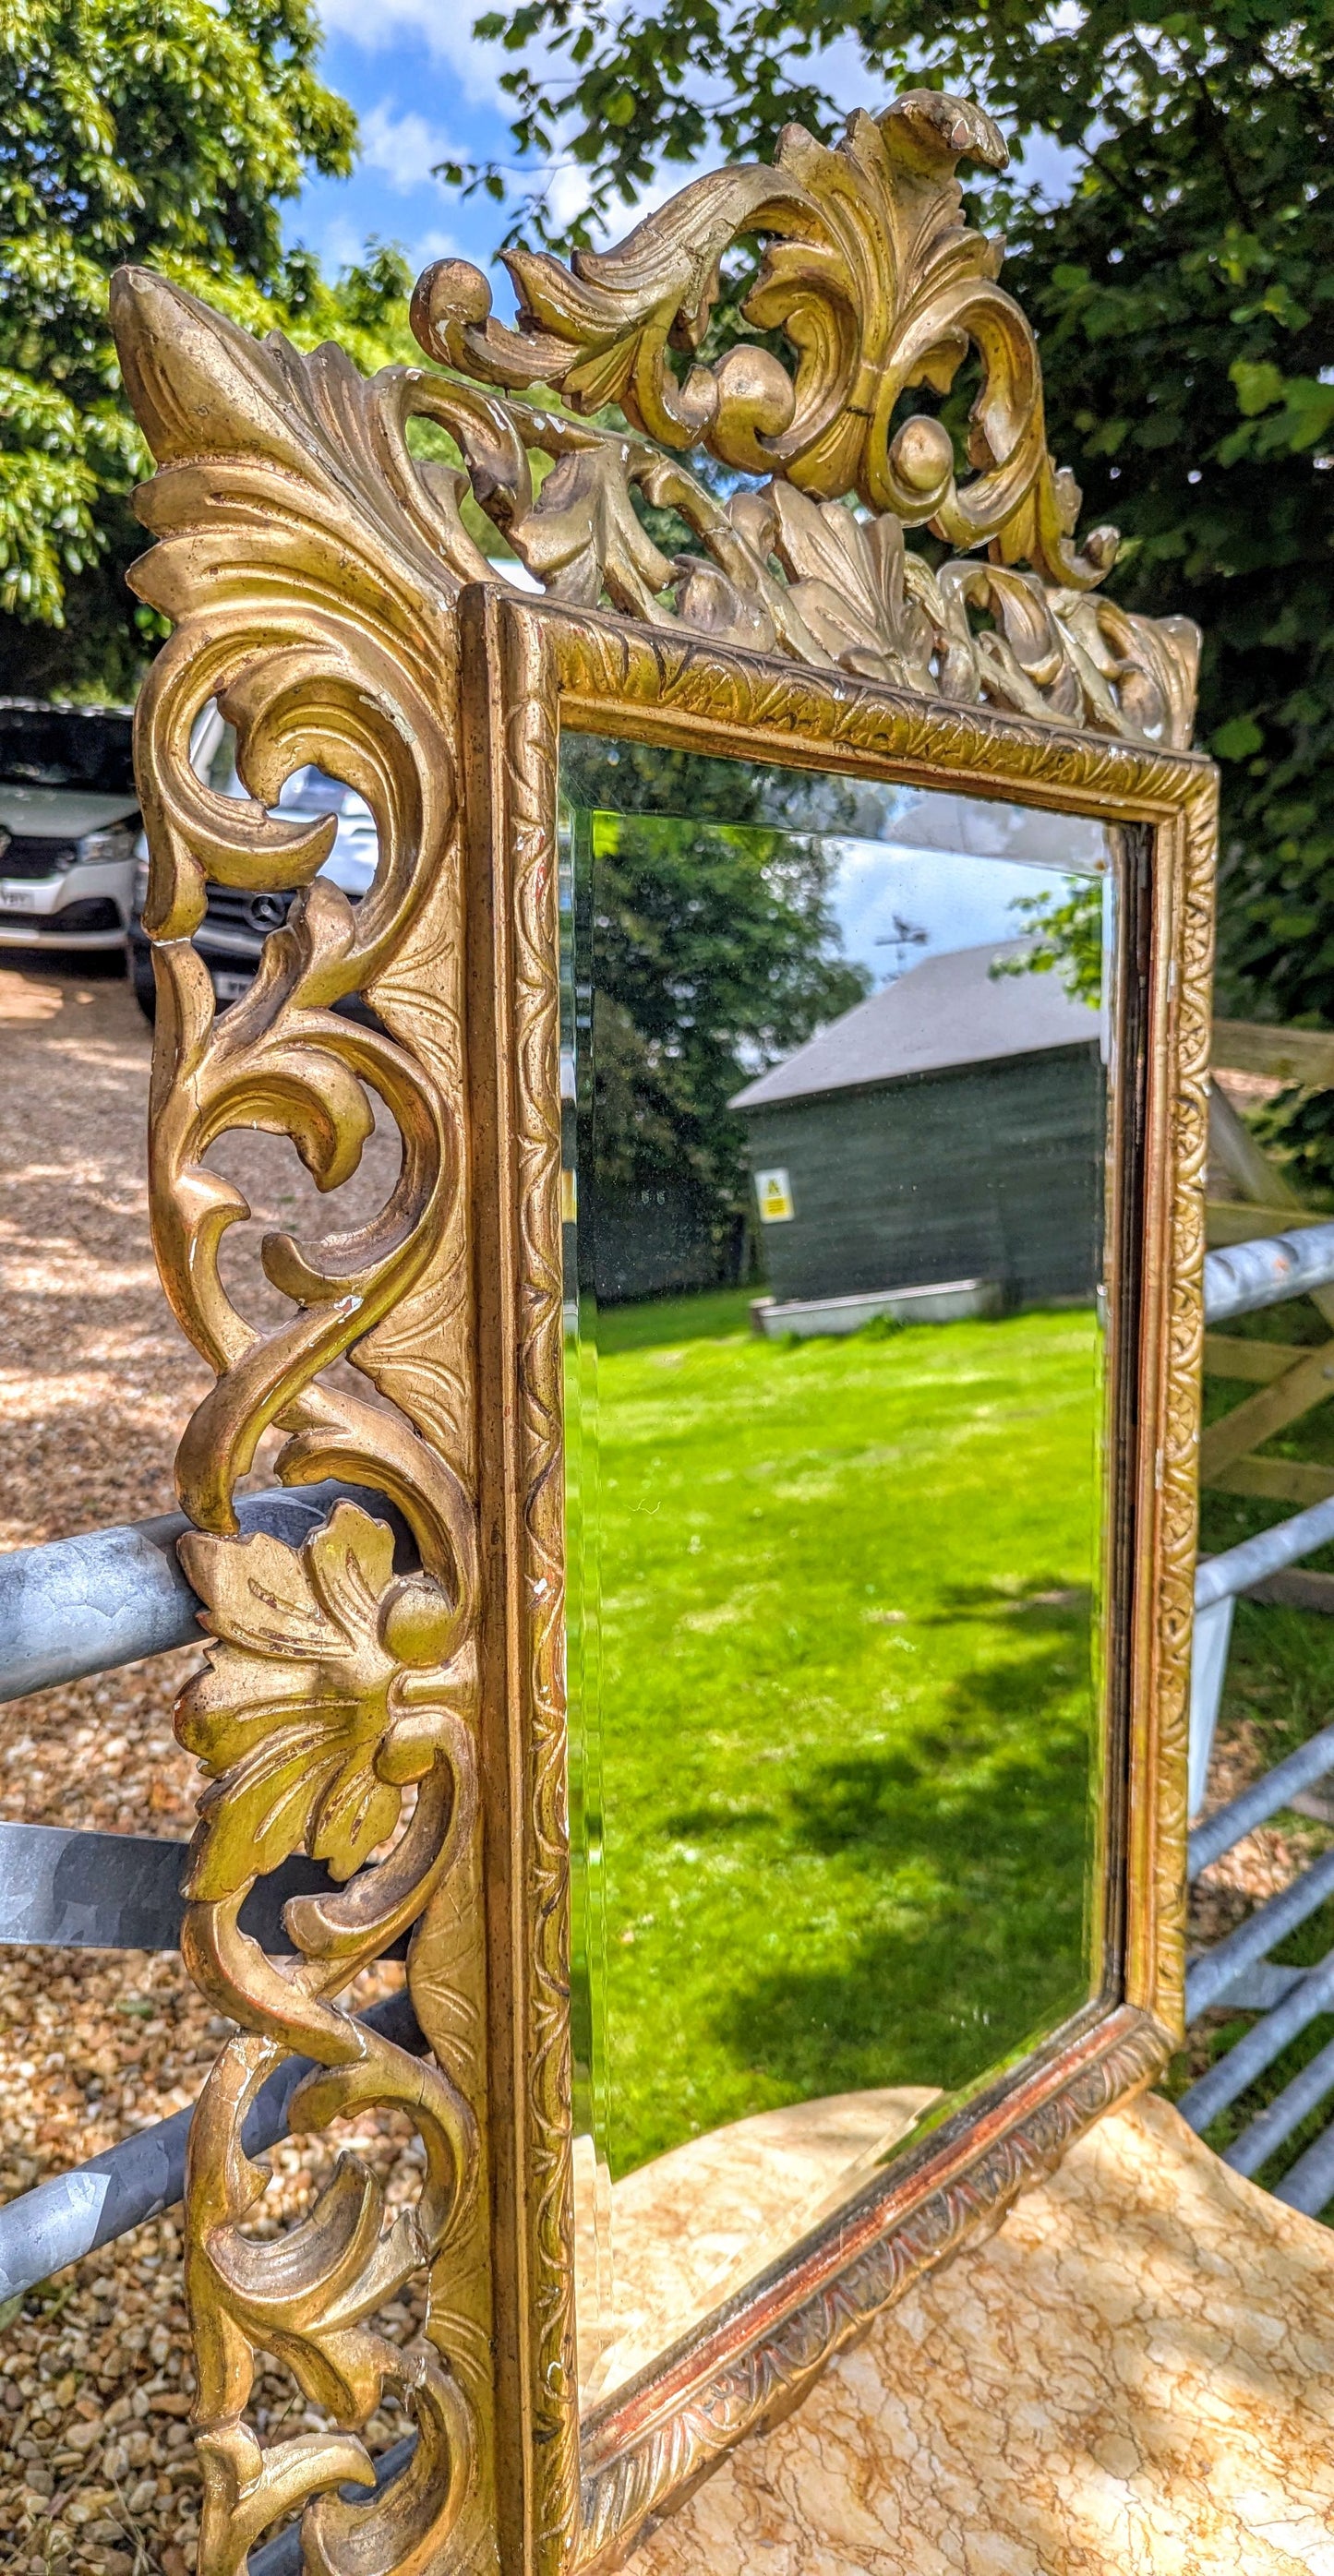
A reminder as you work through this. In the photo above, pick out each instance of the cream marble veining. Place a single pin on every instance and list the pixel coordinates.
(1134, 2377)
(668, 2243)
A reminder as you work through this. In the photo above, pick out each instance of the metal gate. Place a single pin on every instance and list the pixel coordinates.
(88, 1605)
(1239, 1971)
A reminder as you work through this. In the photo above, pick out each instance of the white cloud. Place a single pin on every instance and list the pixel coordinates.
(567, 193)
(445, 26)
(404, 149)
(340, 245)
(839, 68)
(842, 70)
(434, 245)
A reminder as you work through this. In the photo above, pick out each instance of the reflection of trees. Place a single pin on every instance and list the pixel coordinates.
(978, 1830)
(715, 953)
(1065, 934)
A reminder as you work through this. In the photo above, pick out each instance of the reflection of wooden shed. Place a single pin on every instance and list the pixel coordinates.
(948, 1128)
(654, 1241)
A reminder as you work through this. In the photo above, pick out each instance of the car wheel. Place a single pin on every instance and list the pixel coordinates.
(145, 987)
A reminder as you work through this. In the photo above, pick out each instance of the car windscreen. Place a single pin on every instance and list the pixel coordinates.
(67, 747)
(313, 791)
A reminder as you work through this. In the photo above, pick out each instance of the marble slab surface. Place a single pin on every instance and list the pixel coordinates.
(668, 2243)
(1134, 2377)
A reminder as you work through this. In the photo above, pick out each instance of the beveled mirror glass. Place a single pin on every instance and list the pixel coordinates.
(835, 1065)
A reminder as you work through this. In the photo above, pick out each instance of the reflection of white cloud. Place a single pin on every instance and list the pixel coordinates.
(404, 149)
(444, 26)
(932, 819)
(958, 901)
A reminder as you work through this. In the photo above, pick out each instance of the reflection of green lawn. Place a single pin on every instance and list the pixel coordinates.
(846, 1705)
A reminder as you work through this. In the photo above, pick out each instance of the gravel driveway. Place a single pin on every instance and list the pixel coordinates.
(96, 1382)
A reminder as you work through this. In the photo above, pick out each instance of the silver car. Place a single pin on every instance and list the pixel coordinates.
(69, 816)
(236, 923)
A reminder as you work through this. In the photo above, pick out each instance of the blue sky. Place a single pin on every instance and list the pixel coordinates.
(424, 88)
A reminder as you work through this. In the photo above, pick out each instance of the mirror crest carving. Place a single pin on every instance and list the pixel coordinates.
(877, 284)
(312, 569)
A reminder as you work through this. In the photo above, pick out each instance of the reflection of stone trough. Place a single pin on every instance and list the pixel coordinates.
(953, 1301)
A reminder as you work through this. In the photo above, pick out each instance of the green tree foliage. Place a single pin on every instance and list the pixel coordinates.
(1183, 288)
(1064, 933)
(715, 953)
(169, 131)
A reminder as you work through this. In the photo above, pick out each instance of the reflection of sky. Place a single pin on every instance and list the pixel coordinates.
(958, 901)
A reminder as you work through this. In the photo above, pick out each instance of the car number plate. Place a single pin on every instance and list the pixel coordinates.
(15, 898)
(229, 988)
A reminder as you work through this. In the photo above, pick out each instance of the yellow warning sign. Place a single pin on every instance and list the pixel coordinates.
(774, 1192)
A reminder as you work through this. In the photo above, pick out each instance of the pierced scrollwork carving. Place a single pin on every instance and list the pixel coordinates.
(311, 570)
(333, 1688)
(878, 285)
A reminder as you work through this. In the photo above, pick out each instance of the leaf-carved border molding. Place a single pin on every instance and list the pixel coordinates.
(1157, 1956)
(596, 674)
(752, 704)
(507, 663)
(863, 2267)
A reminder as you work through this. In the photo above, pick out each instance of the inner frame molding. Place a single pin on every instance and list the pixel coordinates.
(527, 670)
(325, 587)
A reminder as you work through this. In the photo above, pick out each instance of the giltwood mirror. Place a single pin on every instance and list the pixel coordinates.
(751, 1672)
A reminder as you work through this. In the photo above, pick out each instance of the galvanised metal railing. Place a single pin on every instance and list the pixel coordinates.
(1239, 1971)
(86, 1605)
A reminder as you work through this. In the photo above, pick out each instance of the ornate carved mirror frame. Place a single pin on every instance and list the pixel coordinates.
(324, 587)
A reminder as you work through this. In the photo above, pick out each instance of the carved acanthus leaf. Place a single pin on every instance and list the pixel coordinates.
(779, 569)
(877, 284)
(332, 1688)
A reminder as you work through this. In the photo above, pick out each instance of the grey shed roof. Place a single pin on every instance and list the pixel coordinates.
(950, 1010)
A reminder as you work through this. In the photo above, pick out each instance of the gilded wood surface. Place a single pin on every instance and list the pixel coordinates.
(878, 286)
(609, 677)
(511, 725)
(635, 2467)
(702, 694)
(1172, 1368)
(300, 560)
(313, 571)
